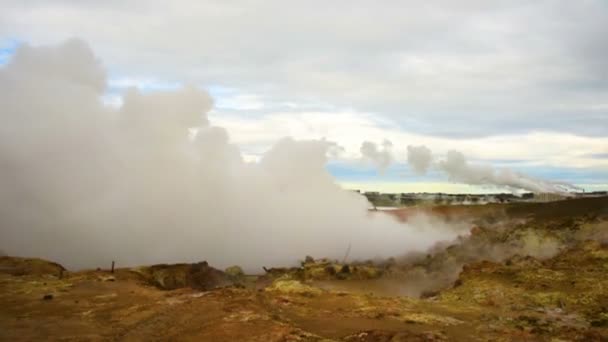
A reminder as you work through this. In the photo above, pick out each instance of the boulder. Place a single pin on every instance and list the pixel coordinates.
(198, 275)
(234, 272)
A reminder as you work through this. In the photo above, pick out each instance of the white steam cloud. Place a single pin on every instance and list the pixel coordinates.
(458, 169)
(381, 157)
(83, 183)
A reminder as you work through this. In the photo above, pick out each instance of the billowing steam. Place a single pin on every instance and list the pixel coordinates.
(380, 157)
(458, 169)
(83, 183)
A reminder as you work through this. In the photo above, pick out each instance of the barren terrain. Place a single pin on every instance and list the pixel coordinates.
(526, 272)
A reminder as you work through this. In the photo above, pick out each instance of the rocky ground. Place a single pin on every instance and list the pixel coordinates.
(526, 272)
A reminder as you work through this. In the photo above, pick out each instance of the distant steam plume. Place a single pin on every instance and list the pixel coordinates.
(458, 169)
(83, 183)
(381, 157)
(419, 158)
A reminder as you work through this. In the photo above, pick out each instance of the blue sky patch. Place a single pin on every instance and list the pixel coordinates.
(7, 49)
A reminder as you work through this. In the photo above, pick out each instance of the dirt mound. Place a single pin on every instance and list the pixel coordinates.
(29, 266)
(198, 276)
(325, 269)
(293, 287)
(573, 281)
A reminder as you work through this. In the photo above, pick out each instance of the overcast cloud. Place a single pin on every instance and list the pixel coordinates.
(526, 79)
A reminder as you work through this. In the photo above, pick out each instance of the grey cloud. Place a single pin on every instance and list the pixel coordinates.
(475, 68)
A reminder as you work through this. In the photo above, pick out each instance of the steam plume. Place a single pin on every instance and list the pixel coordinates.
(380, 157)
(84, 184)
(419, 158)
(458, 169)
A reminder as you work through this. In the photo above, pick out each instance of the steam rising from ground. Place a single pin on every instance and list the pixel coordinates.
(441, 265)
(84, 184)
(458, 169)
(510, 240)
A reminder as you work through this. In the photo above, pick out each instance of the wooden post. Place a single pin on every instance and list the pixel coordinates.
(112, 266)
(346, 254)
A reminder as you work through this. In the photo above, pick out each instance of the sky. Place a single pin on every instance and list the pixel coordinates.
(517, 84)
